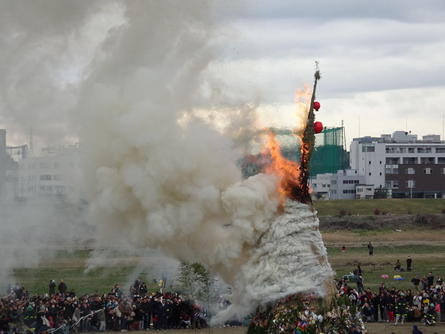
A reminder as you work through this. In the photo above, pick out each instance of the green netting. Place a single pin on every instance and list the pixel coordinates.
(328, 156)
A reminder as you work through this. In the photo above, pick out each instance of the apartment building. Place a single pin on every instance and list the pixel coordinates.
(401, 163)
(55, 172)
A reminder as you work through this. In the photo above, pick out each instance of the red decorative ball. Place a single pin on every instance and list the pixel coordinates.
(317, 105)
(318, 127)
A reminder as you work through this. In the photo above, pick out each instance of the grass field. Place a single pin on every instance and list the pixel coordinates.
(425, 259)
(392, 206)
(71, 268)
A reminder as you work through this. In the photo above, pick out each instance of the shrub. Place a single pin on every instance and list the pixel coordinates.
(342, 213)
(443, 211)
(376, 211)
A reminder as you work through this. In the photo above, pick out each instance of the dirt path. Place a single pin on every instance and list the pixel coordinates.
(383, 238)
(373, 328)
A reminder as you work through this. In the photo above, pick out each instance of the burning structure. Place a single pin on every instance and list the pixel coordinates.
(185, 194)
(289, 257)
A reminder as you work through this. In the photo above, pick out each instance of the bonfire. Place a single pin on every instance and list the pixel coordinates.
(297, 296)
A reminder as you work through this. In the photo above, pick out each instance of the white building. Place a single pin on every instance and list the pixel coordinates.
(321, 184)
(54, 173)
(399, 163)
(364, 191)
(341, 185)
(8, 168)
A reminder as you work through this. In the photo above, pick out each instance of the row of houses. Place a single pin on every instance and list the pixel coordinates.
(390, 166)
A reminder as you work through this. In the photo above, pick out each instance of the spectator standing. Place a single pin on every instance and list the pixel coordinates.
(415, 280)
(62, 287)
(409, 263)
(52, 287)
(370, 249)
(430, 279)
(400, 308)
(397, 266)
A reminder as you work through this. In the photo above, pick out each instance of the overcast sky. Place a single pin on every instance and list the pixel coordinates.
(382, 62)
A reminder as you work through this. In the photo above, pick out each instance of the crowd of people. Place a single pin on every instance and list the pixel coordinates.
(62, 311)
(425, 302)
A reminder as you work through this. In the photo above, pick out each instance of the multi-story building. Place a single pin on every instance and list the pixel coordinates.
(344, 183)
(7, 167)
(340, 185)
(17, 153)
(53, 173)
(321, 185)
(402, 164)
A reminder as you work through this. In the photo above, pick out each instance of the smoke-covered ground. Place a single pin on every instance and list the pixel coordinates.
(160, 136)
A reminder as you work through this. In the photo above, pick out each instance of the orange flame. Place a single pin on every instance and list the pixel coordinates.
(287, 171)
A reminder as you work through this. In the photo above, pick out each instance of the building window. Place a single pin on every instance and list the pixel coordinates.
(410, 171)
(441, 160)
(424, 150)
(426, 161)
(369, 162)
(380, 162)
(393, 184)
(368, 149)
(45, 177)
(410, 184)
(440, 150)
(380, 173)
(427, 171)
(409, 161)
(348, 191)
(443, 170)
(369, 173)
(392, 169)
(392, 161)
(411, 150)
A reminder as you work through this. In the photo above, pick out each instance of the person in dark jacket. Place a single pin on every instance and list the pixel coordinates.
(401, 310)
(409, 264)
(52, 287)
(370, 249)
(62, 287)
(430, 279)
(416, 330)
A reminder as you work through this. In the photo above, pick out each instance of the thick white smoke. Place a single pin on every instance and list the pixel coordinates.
(160, 138)
(160, 176)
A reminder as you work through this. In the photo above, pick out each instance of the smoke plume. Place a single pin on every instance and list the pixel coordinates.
(160, 138)
(160, 174)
